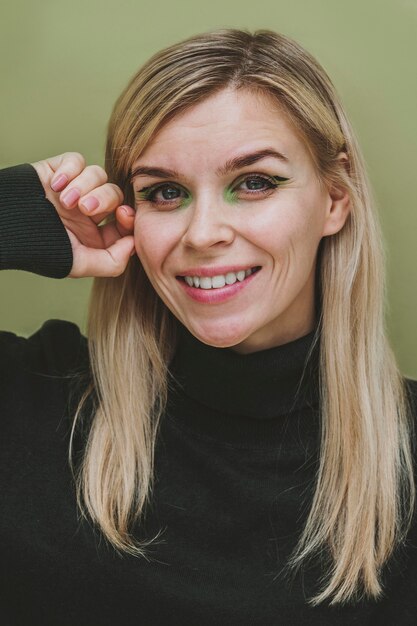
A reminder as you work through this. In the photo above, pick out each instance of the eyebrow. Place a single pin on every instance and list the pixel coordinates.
(230, 166)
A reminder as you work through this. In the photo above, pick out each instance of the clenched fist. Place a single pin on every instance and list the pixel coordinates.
(82, 198)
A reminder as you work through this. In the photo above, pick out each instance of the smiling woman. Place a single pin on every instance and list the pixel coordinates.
(237, 392)
(218, 227)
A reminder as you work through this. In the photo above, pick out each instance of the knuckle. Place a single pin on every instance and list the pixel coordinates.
(97, 172)
(115, 191)
(108, 194)
(77, 158)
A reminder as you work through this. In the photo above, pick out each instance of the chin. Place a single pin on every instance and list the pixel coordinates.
(219, 337)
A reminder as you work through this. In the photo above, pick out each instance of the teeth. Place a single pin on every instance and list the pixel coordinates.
(218, 281)
(205, 282)
(215, 282)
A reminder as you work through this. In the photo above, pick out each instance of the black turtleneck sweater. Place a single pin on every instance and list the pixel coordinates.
(235, 463)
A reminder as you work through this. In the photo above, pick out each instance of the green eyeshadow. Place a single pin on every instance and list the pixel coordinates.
(230, 195)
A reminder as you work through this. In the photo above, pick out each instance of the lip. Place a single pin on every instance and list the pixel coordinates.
(215, 271)
(213, 296)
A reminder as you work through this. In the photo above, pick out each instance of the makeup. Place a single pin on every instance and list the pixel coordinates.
(147, 194)
(264, 185)
(269, 183)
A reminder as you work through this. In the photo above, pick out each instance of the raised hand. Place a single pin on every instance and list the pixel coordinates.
(83, 198)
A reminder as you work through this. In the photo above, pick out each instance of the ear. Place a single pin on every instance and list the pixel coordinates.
(338, 204)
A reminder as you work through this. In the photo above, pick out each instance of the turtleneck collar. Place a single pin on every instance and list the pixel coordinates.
(258, 385)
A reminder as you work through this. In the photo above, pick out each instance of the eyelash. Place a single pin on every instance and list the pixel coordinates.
(147, 194)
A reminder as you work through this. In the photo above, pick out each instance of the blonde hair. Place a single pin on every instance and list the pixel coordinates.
(364, 495)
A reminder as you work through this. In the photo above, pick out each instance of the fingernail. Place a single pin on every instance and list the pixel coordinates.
(57, 184)
(69, 197)
(90, 203)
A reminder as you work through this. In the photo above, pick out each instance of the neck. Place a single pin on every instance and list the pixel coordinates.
(264, 383)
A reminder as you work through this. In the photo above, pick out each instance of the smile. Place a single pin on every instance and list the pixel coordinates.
(214, 289)
(216, 282)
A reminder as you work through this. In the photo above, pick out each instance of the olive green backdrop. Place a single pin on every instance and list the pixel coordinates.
(64, 63)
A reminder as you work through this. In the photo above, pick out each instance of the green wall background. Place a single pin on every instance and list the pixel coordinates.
(63, 64)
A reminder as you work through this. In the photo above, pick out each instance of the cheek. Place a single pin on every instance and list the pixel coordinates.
(275, 229)
(287, 231)
(154, 237)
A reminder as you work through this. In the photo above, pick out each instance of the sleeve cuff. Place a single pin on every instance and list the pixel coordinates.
(32, 236)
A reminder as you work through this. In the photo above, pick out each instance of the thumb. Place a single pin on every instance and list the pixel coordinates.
(111, 261)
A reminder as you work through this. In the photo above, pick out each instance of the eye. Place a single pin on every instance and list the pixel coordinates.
(256, 185)
(256, 181)
(169, 193)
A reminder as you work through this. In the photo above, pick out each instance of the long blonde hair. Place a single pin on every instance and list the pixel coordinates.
(364, 496)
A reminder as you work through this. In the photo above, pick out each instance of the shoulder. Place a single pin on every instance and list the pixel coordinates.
(57, 347)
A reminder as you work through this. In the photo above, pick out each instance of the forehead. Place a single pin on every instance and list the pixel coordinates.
(222, 125)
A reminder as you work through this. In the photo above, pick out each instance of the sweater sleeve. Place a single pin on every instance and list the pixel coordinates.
(32, 236)
(57, 348)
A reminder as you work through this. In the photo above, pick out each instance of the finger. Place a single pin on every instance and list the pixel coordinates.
(102, 201)
(112, 231)
(106, 262)
(66, 167)
(109, 234)
(88, 180)
(125, 219)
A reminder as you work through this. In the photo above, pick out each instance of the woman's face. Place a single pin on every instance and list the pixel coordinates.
(212, 216)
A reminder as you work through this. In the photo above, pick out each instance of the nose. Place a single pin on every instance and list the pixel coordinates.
(208, 225)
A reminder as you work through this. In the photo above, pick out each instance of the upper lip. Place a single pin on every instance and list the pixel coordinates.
(221, 270)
